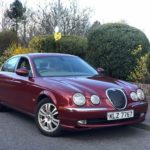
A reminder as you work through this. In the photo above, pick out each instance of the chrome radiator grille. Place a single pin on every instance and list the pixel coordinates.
(117, 97)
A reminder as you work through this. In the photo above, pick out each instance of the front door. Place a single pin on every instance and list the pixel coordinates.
(25, 90)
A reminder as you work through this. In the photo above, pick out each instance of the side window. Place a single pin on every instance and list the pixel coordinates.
(10, 65)
(24, 63)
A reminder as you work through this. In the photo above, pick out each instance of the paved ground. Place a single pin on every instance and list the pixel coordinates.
(147, 121)
(18, 132)
(146, 124)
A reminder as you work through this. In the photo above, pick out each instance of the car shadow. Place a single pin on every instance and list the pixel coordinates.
(102, 133)
(19, 115)
(86, 135)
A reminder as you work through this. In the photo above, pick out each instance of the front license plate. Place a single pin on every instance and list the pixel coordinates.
(120, 115)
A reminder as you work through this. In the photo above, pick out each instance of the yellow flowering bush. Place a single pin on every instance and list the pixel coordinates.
(14, 50)
(21, 50)
(140, 72)
(137, 50)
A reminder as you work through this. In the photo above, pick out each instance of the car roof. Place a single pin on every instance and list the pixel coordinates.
(32, 55)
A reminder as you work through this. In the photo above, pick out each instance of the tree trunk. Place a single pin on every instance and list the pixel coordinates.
(17, 33)
(24, 33)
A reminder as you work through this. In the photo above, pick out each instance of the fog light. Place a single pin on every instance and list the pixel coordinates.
(142, 114)
(82, 122)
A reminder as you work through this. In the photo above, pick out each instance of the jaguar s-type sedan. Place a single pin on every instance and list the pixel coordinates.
(64, 92)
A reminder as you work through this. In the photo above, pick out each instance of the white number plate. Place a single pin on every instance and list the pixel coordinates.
(120, 115)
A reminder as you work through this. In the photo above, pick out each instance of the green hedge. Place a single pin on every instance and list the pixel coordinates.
(148, 64)
(6, 40)
(42, 43)
(68, 44)
(118, 48)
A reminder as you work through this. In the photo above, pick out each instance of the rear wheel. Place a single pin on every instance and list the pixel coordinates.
(47, 118)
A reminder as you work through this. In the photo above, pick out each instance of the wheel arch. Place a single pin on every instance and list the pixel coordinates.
(47, 94)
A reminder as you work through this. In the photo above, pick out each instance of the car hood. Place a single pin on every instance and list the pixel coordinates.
(93, 85)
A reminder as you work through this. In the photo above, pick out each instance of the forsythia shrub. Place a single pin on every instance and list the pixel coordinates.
(13, 50)
(21, 50)
(140, 72)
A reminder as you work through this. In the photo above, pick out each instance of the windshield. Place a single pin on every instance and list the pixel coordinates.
(58, 66)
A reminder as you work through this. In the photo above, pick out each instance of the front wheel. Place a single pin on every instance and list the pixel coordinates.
(47, 118)
(2, 108)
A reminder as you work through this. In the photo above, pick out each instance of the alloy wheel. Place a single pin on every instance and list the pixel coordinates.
(48, 117)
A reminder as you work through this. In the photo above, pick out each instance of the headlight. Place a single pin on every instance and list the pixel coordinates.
(134, 96)
(95, 99)
(79, 99)
(140, 94)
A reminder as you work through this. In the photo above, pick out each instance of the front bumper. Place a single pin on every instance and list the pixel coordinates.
(97, 117)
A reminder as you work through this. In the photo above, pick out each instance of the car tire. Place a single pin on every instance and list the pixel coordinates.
(47, 118)
(2, 108)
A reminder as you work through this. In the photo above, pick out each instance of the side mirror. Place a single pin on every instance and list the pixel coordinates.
(22, 72)
(101, 71)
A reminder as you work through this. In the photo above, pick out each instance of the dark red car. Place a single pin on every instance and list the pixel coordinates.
(63, 92)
